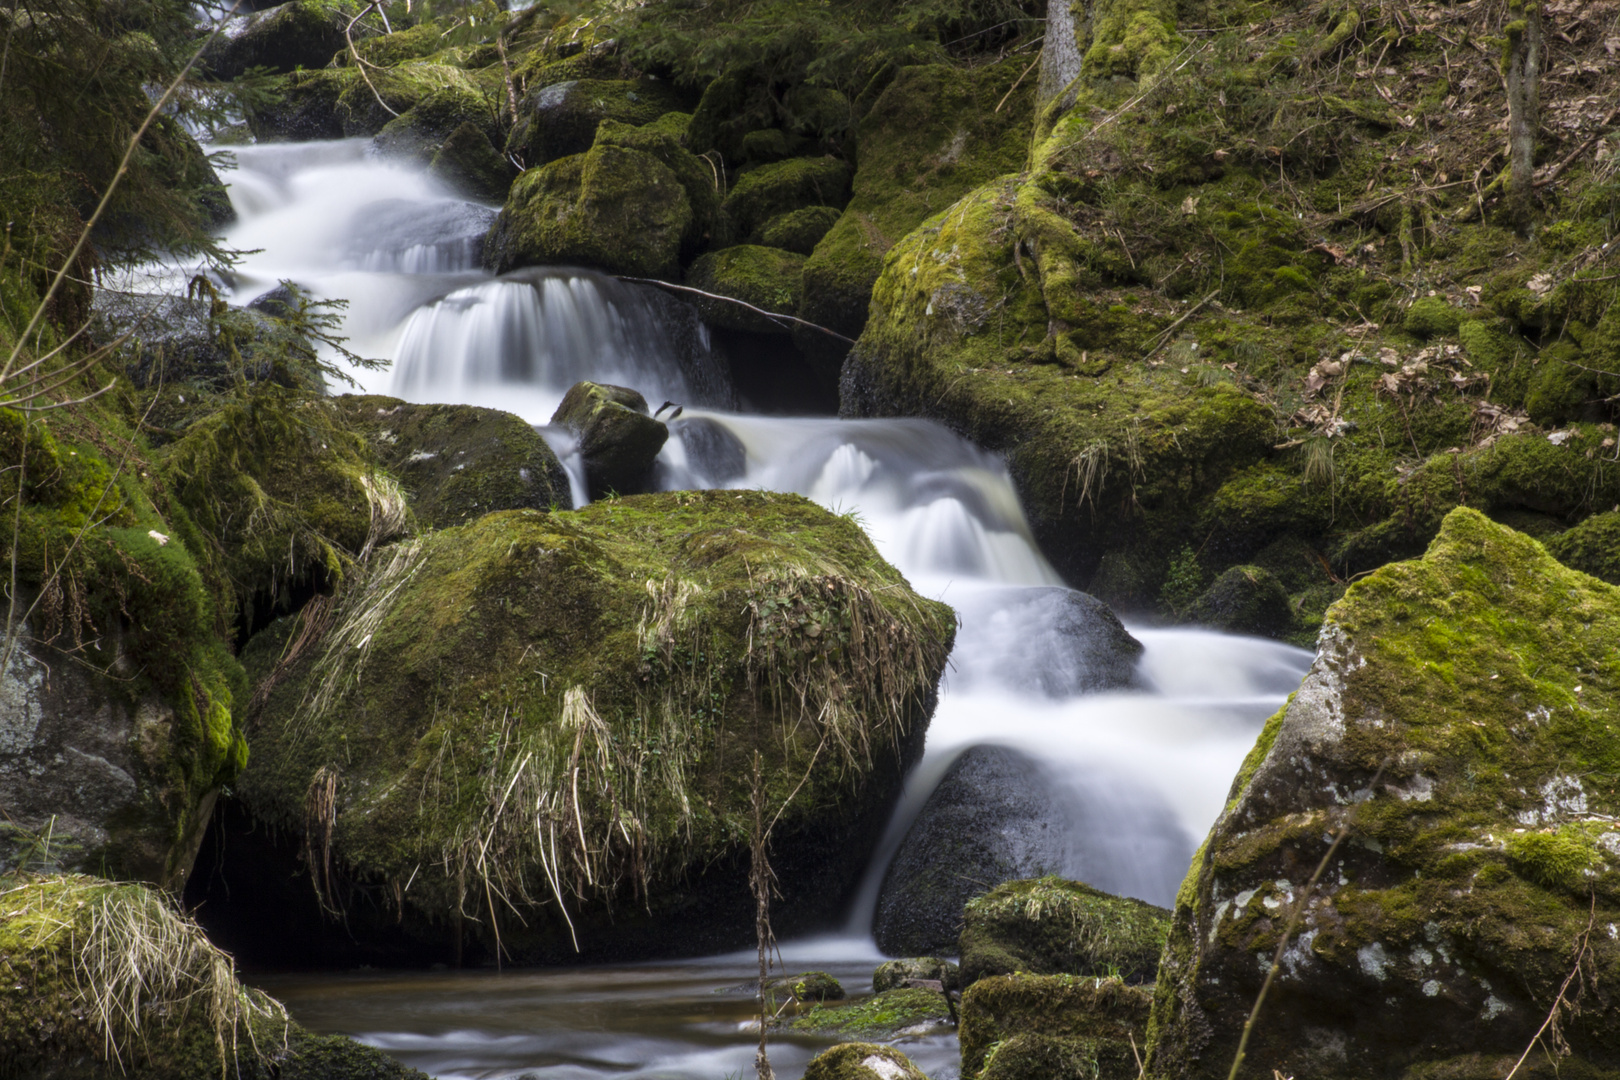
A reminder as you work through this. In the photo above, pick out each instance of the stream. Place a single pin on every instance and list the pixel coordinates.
(1143, 773)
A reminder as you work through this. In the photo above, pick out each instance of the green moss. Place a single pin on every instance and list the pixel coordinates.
(772, 190)
(799, 231)
(767, 278)
(1592, 547)
(562, 119)
(674, 634)
(1245, 600)
(861, 1061)
(807, 986)
(1052, 926)
(1431, 316)
(1132, 39)
(65, 942)
(1063, 1020)
(882, 1016)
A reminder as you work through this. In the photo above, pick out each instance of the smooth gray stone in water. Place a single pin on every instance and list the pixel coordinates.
(1056, 642)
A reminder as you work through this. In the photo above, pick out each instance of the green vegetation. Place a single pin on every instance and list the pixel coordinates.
(882, 1016)
(1049, 926)
(1467, 698)
(1027, 1027)
(862, 1061)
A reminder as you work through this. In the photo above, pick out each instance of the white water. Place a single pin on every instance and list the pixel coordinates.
(1143, 772)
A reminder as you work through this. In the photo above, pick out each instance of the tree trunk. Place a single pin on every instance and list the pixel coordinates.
(1524, 105)
(1060, 55)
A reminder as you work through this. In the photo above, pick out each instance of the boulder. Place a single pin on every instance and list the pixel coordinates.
(1050, 926)
(894, 973)
(769, 191)
(299, 34)
(1245, 600)
(617, 441)
(451, 131)
(636, 203)
(1053, 1027)
(910, 1010)
(530, 679)
(561, 119)
(1057, 642)
(862, 1061)
(767, 278)
(1453, 730)
(991, 819)
(799, 231)
(457, 462)
(1592, 547)
(75, 951)
(335, 103)
(713, 453)
(468, 162)
(806, 986)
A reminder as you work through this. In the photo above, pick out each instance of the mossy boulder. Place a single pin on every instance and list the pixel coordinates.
(1049, 926)
(799, 231)
(1592, 547)
(772, 190)
(862, 1061)
(457, 462)
(1453, 729)
(78, 953)
(335, 103)
(886, 1015)
(639, 652)
(894, 973)
(636, 203)
(1053, 1027)
(767, 278)
(452, 131)
(299, 34)
(932, 135)
(561, 119)
(806, 986)
(466, 161)
(617, 441)
(1245, 600)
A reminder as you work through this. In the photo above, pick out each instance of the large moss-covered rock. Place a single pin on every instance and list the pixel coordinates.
(561, 119)
(933, 135)
(458, 462)
(299, 34)
(599, 680)
(104, 980)
(772, 190)
(862, 1061)
(767, 278)
(636, 203)
(617, 441)
(1051, 926)
(1053, 1027)
(1455, 726)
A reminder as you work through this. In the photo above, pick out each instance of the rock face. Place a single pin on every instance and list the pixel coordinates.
(862, 1061)
(991, 819)
(1052, 926)
(458, 462)
(606, 673)
(618, 441)
(1454, 725)
(64, 941)
(1053, 1027)
(635, 203)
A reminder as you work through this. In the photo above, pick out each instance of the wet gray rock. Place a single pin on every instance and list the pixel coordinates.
(618, 440)
(714, 454)
(1055, 641)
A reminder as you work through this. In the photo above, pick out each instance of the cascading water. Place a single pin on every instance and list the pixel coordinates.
(1141, 773)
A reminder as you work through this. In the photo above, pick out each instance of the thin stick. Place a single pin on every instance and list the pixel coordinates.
(1018, 82)
(1164, 335)
(1552, 1013)
(106, 196)
(741, 303)
(1557, 170)
(359, 61)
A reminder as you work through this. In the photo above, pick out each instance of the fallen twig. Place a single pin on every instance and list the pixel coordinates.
(776, 315)
(1164, 335)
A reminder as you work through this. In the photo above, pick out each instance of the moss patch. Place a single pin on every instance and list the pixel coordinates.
(1050, 926)
(767, 278)
(882, 1016)
(1016, 1026)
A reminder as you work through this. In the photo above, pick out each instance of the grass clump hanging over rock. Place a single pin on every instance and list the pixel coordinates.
(1458, 727)
(521, 725)
(103, 979)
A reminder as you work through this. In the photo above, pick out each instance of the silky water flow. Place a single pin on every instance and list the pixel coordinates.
(1137, 775)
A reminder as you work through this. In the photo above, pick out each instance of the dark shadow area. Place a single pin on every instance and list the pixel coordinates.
(773, 377)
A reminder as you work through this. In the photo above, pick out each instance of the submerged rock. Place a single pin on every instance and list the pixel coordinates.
(862, 1061)
(893, 973)
(1454, 727)
(1053, 1027)
(458, 462)
(580, 694)
(618, 441)
(77, 952)
(1050, 926)
(1056, 641)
